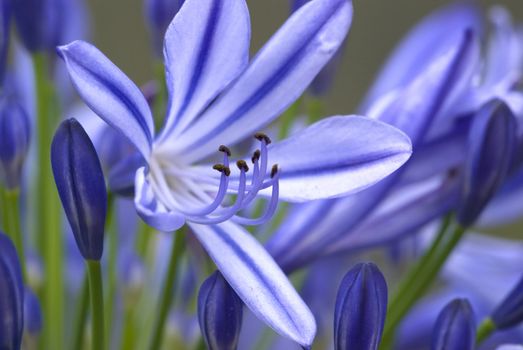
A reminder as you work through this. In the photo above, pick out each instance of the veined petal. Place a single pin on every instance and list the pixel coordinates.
(337, 156)
(109, 93)
(151, 211)
(258, 280)
(278, 75)
(206, 47)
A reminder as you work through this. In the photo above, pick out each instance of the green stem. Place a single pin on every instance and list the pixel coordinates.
(161, 95)
(419, 278)
(94, 271)
(77, 339)
(12, 224)
(485, 329)
(49, 234)
(314, 108)
(112, 278)
(166, 296)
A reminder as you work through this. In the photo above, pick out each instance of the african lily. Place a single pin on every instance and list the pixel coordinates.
(216, 99)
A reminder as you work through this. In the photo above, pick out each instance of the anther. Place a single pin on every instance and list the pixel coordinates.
(242, 165)
(274, 170)
(256, 156)
(222, 169)
(225, 150)
(262, 137)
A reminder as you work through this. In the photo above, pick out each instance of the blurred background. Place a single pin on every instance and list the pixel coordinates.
(119, 30)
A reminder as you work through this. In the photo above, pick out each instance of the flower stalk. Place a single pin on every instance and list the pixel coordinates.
(94, 271)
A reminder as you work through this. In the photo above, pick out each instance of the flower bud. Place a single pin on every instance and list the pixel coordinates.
(14, 141)
(160, 13)
(361, 306)
(219, 313)
(11, 296)
(455, 327)
(510, 312)
(32, 313)
(5, 19)
(491, 148)
(81, 186)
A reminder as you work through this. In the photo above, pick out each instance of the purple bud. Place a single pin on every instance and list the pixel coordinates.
(11, 296)
(14, 141)
(160, 13)
(81, 186)
(219, 313)
(510, 312)
(455, 327)
(491, 148)
(32, 313)
(5, 19)
(361, 307)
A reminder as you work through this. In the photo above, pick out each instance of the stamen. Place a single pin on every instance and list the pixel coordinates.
(255, 156)
(242, 165)
(222, 169)
(225, 150)
(274, 170)
(260, 136)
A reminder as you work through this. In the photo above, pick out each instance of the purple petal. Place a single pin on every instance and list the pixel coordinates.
(278, 75)
(109, 93)
(337, 156)
(151, 211)
(206, 47)
(258, 280)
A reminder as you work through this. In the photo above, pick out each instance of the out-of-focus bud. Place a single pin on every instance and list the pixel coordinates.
(491, 149)
(81, 186)
(220, 313)
(455, 327)
(159, 14)
(32, 313)
(510, 312)
(14, 141)
(5, 19)
(11, 296)
(361, 307)
(132, 272)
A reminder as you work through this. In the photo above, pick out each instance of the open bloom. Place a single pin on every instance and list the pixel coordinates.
(218, 98)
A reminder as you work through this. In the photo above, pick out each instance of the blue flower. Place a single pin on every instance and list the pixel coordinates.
(159, 14)
(11, 296)
(5, 22)
(509, 312)
(455, 327)
(217, 97)
(220, 313)
(361, 306)
(32, 313)
(81, 186)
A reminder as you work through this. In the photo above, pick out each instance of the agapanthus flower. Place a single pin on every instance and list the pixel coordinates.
(216, 99)
(455, 327)
(5, 22)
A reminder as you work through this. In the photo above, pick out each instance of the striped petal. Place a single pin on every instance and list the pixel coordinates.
(258, 280)
(206, 47)
(109, 93)
(278, 75)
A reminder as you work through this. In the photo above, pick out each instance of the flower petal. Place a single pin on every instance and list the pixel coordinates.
(206, 47)
(151, 211)
(109, 93)
(278, 75)
(337, 156)
(258, 280)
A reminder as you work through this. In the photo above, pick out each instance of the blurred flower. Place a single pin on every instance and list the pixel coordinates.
(5, 22)
(509, 312)
(32, 313)
(455, 327)
(11, 296)
(80, 182)
(14, 141)
(219, 313)
(361, 306)
(159, 14)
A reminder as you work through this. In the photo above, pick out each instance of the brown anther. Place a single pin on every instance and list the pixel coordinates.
(242, 165)
(274, 170)
(260, 136)
(256, 156)
(225, 150)
(222, 169)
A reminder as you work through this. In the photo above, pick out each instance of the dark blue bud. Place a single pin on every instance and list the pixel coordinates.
(491, 148)
(5, 19)
(14, 141)
(160, 13)
(11, 296)
(32, 313)
(361, 307)
(81, 186)
(296, 4)
(455, 327)
(510, 312)
(219, 313)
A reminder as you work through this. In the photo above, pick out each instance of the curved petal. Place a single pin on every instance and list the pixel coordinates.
(206, 47)
(150, 210)
(109, 93)
(338, 156)
(258, 280)
(278, 75)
